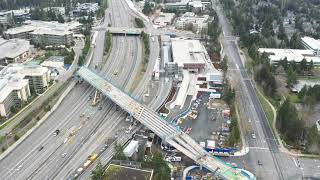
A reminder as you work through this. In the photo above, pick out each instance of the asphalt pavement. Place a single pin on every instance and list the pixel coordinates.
(275, 164)
(43, 156)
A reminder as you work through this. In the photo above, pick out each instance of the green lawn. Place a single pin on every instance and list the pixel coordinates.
(267, 109)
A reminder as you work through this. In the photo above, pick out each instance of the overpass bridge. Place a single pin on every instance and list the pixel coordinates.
(162, 128)
(120, 30)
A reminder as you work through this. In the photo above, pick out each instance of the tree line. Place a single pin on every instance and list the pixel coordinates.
(293, 129)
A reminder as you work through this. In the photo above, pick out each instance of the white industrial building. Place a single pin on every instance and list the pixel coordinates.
(16, 81)
(189, 54)
(164, 19)
(131, 148)
(190, 19)
(14, 51)
(54, 62)
(45, 32)
(311, 43)
(297, 55)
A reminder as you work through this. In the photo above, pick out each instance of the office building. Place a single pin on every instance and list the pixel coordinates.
(297, 55)
(6, 18)
(85, 8)
(189, 21)
(17, 81)
(164, 19)
(14, 51)
(45, 32)
(38, 76)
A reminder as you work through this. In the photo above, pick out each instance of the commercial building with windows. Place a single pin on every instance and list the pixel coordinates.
(14, 91)
(189, 54)
(85, 8)
(13, 51)
(190, 20)
(45, 33)
(164, 19)
(51, 37)
(297, 55)
(38, 76)
(6, 18)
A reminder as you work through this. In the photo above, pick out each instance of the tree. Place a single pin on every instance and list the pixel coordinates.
(295, 41)
(224, 64)
(98, 173)
(119, 153)
(13, 109)
(281, 34)
(60, 18)
(291, 77)
(139, 22)
(147, 8)
(234, 137)
(289, 124)
(159, 165)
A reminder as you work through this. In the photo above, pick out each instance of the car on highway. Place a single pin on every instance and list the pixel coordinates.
(259, 163)
(63, 155)
(56, 132)
(254, 136)
(40, 148)
(115, 72)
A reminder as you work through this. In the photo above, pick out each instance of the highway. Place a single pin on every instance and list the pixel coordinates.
(60, 156)
(275, 164)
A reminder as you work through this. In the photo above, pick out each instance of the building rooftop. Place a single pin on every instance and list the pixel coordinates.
(296, 55)
(22, 70)
(42, 26)
(311, 42)
(164, 18)
(49, 31)
(13, 47)
(8, 83)
(56, 58)
(188, 51)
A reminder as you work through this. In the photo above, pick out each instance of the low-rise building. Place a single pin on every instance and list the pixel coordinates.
(54, 62)
(189, 21)
(17, 81)
(6, 18)
(85, 8)
(180, 6)
(21, 14)
(38, 76)
(164, 19)
(189, 54)
(13, 92)
(297, 55)
(51, 37)
(311, 43)
(14, 51)
(45, 32)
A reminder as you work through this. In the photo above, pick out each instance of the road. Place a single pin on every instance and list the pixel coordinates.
(28, 162)
(275, 164)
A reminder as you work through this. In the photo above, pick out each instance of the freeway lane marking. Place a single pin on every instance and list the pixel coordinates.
(261, 148)
(295, 162)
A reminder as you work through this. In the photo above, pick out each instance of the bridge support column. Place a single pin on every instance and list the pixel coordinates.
(94, 102)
